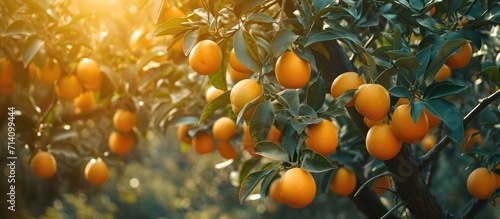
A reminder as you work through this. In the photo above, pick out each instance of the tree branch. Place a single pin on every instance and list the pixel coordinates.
(425, 159)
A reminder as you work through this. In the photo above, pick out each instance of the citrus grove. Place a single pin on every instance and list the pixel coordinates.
(392, 106)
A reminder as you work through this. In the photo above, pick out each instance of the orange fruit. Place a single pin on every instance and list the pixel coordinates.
(297, 188)
(369, 123)
(323, 138)
(168, 12)
(96, 171)
(43, 164)
(428, 142)
(432, 11)
(274, 135)
(236, 75)
(274, 191)
(7, 88)
(344, 82)
(372, 101)
(405, 128)
(381, 183)
(206, 57)
(382, 143)
(224, 129)
(124, 120)
(182, 133)
(50, 72)
(242, 93)
(481, 183)
(203, 143)
(226, 150)
(460, 60)
(237, 65)
(120, 143)
(247, 141)
(343, 182)
(84, 101)
(33, 69)
(68, 87)
(470, 141)
(212, 93)
(443, 73)
(6, 72)
(402, 101)
(291, 71)
(89, 74)
(431, 119)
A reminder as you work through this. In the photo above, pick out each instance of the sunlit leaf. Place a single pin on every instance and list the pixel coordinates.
(314, 162)
(217, 103)
(31, 46)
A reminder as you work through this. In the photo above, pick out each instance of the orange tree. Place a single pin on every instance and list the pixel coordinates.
(294, 131)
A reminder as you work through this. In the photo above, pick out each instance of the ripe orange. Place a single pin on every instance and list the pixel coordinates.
(381, 183)
(291, 71)
(96, 171)
(443, 73)
(431, 119)
(343, 182)
(212, 93)
(323, 138)
(120, 143)
(224, 129)
(405, 128)
(432, 11)
(460, 60)
(182, 133)
(382, 143)
(297, 188)
(274, 135)
(237, 65)
(236, 75)
(168, 12)
(481, 183)
(344, 82)
(68, 87)
(7, 88)
(84, 101)
(43, 164)
(50, 72)
(247, 141)
(372, 101)
(33, 69)
(203, 143)
(274, 191)
(206, 57)
(470, 141)
(497, 177)
(428, 142)
(89, 74)
(242, 93)
(369, 123)
(6, 72)
(402, 101)
(226, 150)
(124, 120)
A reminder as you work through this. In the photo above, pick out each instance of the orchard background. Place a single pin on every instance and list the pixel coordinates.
(250, 109)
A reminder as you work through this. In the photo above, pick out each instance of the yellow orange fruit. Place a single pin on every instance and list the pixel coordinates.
(274, 135)
(226, 150)
(168, 12)
(120, 143)
(343, 182)
(33, 69)
(205, 57)
(381, 183)
(237, 65)
(372, 101)
(460, 60)
(432, 11)
(431, 119)
(6, 72)
(96, 171)
(124, 120)
(50, 72)
(182, 133)
(224, 129)
(43, 164)
(470, 141)
(247, 141)
(242, 93)
(291, 71)
(7, 88)
(68, 87)
(236, 75)
(382, 143)
(89, 74)
(428, 142)
(274, 191)
(443, 73)
(402, 101)
(212, 93)
(203, 143)
(405, 128)
(369, 123)
(322, 137)
(481, 183)
(344, 82)
(84, 101)
(297, 188)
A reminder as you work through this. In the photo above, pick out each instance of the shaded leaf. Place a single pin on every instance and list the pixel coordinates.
(246, 50)
(217, 103)
(315, 94)
(31, 46)
(442, 89)
(451, 117)
(281, 41)
(314, 162)
(250, 182)
(271, 150)
(261, 121)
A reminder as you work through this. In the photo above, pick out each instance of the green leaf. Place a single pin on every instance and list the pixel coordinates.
(271, 150)
(315, 94)
(154, 74)
(342, 100)
(314, 162)
(261, 121)
(246, 50)
(492, 73)
(290, 98)
(493, 161)
(451, 117)
(248, 106)
(415, 110)
(19, 27)
(281, 41)
(31, 46)
(442, 89)
(260, 18)
(218, 78)
(242, 7)
(247, 166)
(250, 182)
(217, 103)
(449, 47)
(334, 33)
(266, 182)
(172, 26)
(399, 91)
